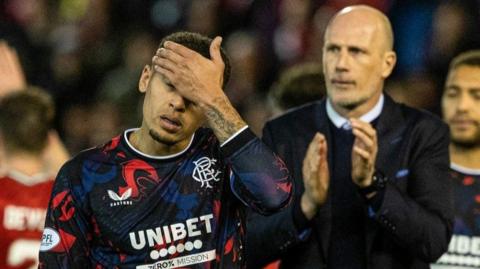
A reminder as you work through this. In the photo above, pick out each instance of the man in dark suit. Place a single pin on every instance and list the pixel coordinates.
(373, 190)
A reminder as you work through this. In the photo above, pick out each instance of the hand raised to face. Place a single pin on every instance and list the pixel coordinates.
(200, 80)
(193, 76)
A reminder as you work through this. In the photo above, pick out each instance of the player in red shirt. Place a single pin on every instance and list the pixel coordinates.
(30, 153)
(25, 119)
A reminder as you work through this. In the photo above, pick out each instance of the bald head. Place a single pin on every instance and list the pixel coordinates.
(357, 57)
(367, 17)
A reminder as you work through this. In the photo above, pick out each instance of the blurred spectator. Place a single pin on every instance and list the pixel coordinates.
(119, 85)
(256, 113)
(317, 31)
(454, 29)
(202, 17)
(166, 14)
(290, 34)
(412, 24)
(296, 86)
(25, 24)
(416, 90)
(244, 54)
(66, 59)
(86, 125)
(448, 29)
(75, 122)
(104, 122)
(32, 16)
(243, 88)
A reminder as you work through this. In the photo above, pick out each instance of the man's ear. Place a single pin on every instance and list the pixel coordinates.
(145, 78)
(389, 61)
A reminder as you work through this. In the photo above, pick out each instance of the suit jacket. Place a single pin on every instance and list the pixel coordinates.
(413, 225)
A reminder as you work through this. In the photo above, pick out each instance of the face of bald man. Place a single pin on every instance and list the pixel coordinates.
(357, 59)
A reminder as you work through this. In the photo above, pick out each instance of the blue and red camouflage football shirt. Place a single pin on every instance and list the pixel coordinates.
(464, 247)
(115, 207)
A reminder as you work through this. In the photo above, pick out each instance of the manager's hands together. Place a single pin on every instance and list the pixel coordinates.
(316, 176)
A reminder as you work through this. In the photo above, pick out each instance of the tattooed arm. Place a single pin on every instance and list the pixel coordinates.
(223, 119)
(200, 80)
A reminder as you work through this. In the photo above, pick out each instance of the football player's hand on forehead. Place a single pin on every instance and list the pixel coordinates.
(195, 77)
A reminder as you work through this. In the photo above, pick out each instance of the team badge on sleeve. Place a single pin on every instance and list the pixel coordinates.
(50, 239)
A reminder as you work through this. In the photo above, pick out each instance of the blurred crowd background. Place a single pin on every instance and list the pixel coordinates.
(89, 53)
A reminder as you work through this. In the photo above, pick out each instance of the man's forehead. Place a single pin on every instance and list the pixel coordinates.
(362, 23)
(362, 15)
(465, 74)
(350, 34)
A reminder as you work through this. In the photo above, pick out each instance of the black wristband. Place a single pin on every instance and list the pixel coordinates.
(367, 190)
(379, 180)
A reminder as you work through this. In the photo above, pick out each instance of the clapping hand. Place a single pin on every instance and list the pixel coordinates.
(364, 152)
(316, 176)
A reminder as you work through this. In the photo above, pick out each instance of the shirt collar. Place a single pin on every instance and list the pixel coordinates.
(157, 157)
(28, 180)
(340, 121)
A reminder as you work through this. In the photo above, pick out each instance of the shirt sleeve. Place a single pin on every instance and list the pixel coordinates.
(66, 236)
(259, 178)
(277, 233)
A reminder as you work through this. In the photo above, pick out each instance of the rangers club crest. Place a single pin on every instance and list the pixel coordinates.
(204, 172)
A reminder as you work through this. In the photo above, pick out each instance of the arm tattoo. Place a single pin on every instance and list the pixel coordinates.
(223, 119)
